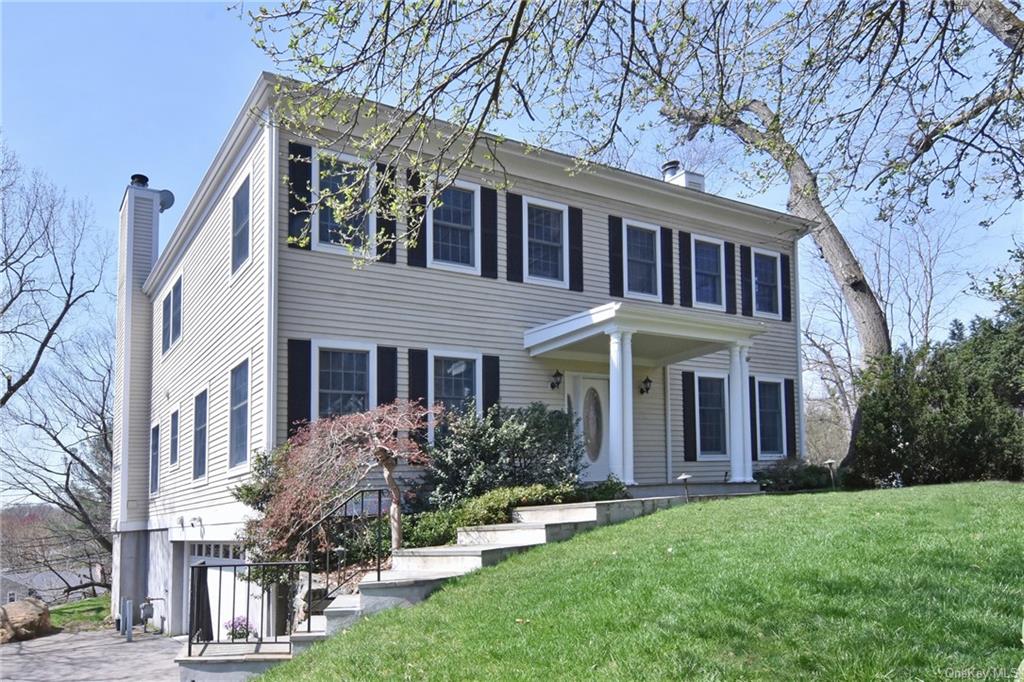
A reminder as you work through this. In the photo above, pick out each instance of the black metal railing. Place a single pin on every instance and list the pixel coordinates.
(262, 616)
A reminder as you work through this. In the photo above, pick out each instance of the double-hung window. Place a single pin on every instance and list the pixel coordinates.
(240, 226)
(643, 257)
(712, 425)
(453, 228)
(546, 242)
(154, 459)
(767, 284)
(238, 448)
(199, 436)
(770, 418)
(344, 188)
(172, 316)
(455, 384)
(343, 382)
(708, 272)
(174, 437)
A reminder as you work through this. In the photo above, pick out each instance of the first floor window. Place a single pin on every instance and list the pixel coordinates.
(344, 382)
(711, 415)
(154, 458)
(766, 283)
(707, 272)
(641, 260)
(11, 597)
(174, 437)
(454, 227)
(199, 437)
(770, 417)
(545, 227)
(342, 184)
(239, 428)
(454, 382)
(240, 226)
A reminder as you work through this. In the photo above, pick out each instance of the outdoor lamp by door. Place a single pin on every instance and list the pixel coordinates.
(645, 385)
(556, 379)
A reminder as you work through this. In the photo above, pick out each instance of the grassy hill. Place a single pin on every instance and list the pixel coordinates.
(918, 583)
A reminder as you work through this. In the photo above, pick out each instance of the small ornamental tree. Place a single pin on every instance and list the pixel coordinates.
(323, 463)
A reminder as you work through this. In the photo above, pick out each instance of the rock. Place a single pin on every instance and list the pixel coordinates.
(24, 619)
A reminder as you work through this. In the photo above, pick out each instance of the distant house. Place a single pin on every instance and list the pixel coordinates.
(48, 585)
(662, 315)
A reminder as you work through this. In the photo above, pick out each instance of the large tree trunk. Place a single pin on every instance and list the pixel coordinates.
(998, 20)
(395, 509)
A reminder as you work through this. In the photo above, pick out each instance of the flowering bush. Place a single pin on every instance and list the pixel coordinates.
(239, 627)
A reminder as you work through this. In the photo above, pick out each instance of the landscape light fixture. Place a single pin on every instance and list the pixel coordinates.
(686, 489)
(831, 464)
(645, 386)
(556, 379)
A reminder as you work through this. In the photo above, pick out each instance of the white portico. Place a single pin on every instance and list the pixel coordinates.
(627, 335)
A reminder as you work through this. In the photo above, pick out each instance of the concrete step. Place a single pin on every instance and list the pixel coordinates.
(452, 558)
(343, 613)
(399, 588)
(522, 534)
(601, 513)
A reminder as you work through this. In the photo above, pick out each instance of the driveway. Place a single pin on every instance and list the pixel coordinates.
(92, 656)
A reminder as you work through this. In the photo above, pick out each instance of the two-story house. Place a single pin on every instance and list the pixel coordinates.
(665, 317)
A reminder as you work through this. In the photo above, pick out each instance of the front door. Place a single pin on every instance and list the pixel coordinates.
(587, 400)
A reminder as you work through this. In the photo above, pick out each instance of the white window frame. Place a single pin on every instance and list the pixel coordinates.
(241, 467)
(169, 295)
(342, 345)
(371, 216)
(459, 354)
(201, 480)
(711, 374)
(446, 265)
(176, 408)
(12, 597)
(244, 265)
(781, 381)
(153, 492)
(642, 295)
(694, 238)
(564, 208)
(754, 251)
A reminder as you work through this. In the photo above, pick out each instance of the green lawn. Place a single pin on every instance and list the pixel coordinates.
(83, 613)
(921, 583)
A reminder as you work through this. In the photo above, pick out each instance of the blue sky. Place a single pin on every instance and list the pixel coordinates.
(92, 93)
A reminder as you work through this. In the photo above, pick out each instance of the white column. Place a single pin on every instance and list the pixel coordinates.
(737, 469)
(748, 462)
(628, 391)
(615, 424)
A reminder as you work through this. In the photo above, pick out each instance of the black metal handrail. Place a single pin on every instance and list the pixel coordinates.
(344, 507)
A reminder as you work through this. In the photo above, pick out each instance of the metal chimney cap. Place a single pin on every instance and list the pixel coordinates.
(669, 168)
(140, 180)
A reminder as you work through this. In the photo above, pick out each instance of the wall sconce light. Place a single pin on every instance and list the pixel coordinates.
(556, 379)
(645, 385)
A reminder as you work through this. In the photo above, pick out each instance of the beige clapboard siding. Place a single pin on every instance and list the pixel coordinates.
(223, 323)
(119, 352)
(321, 295)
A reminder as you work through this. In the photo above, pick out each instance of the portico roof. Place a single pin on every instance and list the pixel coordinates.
(660, 337)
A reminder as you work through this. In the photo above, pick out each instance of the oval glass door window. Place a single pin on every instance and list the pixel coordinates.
(593, 424)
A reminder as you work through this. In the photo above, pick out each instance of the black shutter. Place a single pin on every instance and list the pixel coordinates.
(730, 278)
(491, 391)
(747, 303)
(575, 249)
(300, 179)
(668, 280)
(614, 256)
(387, 374)
(791, 448)
(689, 417)
(386, 226)
(488, 232)
(416, 224)
(787, 304)
(418, 375)
(513, 237)
(685, 270)
(299, 377)
(753, 418)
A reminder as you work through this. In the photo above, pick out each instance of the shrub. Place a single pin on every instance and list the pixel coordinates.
(793, 475)
(507, 447)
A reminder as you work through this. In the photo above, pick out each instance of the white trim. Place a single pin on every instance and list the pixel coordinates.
(459, 354)
(370, 247)
(694, 238)
(241, 467)
(201, 480)
(527, 277)
(154, 492)
(340, 345)
(781, 382)
(176, 408)
(270, 290)
(711, 374)
(754, 251)
(656, 296)
(801, 432)
(446, 265)
(244, 266)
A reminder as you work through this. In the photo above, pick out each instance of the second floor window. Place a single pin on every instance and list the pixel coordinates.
(546, 237)
(172, 316)
(708, 283)
(154, 459)
(343, 182)
(343, 382)
(174, 437)
(454, 226)
(766, 283)
(240, 226)
(642, 260)
(711, 415)
(238, 448)
(199, 437)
